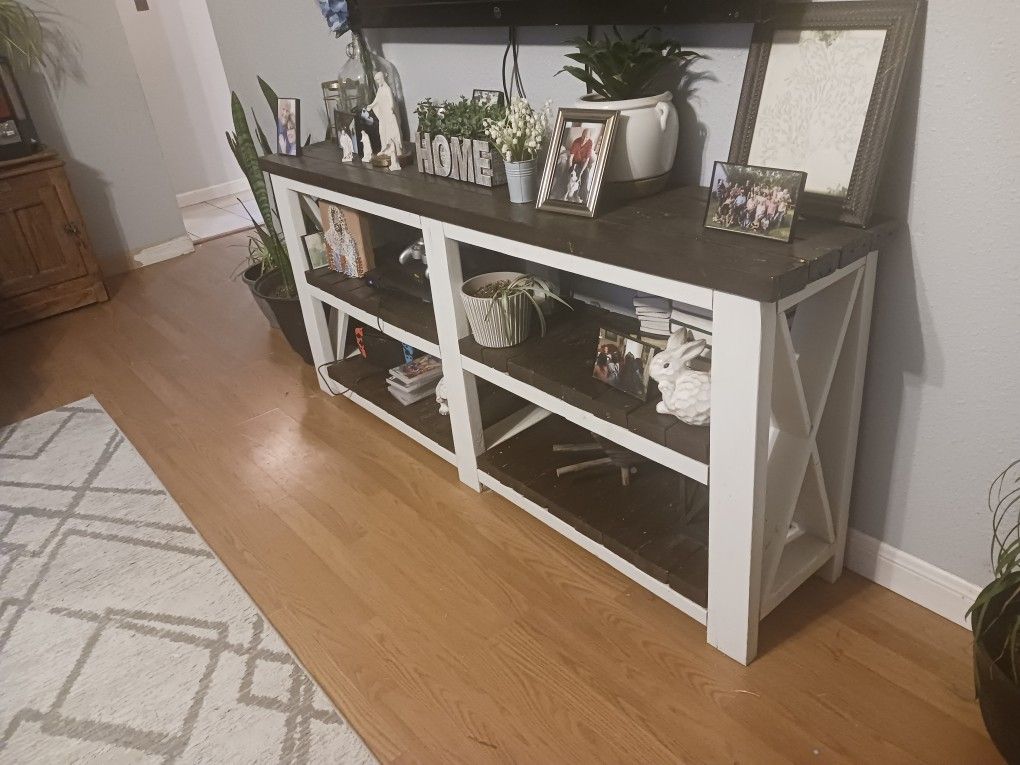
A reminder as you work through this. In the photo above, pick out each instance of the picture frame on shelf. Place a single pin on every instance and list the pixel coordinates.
(348, 240)
(288, 126)
(576, 161)
(856, 53)
(754, 201)
(623, 362)
(315, 249)
(496, 97)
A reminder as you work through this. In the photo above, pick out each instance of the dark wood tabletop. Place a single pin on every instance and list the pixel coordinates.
(662, 235)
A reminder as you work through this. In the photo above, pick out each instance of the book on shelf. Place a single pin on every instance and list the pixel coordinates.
(652, 302)
(406, 397)
(418, 371)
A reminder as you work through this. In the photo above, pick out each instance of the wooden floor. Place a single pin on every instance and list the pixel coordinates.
(450, 626)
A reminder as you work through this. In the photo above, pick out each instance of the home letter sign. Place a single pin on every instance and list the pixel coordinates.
(462, 159)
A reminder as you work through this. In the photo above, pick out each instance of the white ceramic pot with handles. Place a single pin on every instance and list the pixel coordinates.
(646, 136)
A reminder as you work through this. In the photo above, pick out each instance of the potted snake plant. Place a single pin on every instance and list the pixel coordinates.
(621, 75)
(995, 619)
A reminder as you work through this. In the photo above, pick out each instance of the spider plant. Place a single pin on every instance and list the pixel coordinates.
(619, 69)
(995, 615)
(21, 34)
(528, 286)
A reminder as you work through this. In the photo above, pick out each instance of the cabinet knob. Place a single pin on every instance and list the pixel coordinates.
(72, 229)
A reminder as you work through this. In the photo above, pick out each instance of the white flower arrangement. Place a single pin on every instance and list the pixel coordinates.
(519, 137)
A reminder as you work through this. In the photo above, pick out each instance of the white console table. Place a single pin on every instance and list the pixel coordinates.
(786, 394)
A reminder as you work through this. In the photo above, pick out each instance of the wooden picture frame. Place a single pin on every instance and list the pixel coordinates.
(562, 189)
(491, 96)
(347, 235)
(875, 39)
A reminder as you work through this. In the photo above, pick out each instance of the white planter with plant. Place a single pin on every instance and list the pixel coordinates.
(519, 137)
(500, 306)
(621, 75)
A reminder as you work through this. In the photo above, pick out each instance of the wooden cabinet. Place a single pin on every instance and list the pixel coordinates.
(46, 262)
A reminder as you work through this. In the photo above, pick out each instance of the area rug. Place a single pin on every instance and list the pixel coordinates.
(122, 636)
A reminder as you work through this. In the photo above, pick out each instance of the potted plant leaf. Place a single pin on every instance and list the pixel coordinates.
(519, 137)
(275, 286)
(995, 619)
(621, 75)
(500, 306)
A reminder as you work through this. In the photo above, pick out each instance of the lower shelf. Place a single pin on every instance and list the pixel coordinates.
(658, 524)
(369, 382)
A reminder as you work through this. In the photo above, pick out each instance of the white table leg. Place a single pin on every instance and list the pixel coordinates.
(445, 277)
(289, 209)
(837, 436)
(743, 340)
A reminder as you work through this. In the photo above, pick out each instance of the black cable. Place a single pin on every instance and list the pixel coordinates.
(506, 53)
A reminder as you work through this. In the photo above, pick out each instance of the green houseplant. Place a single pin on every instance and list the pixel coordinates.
(500, 306)
(995, 618)
(621, 74)
(271, 275)
(21, 34)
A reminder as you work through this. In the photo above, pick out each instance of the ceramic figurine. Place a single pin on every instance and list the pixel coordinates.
(444, 405)
(346, 147)
(366, 147)
(385, 108)
(686, 392)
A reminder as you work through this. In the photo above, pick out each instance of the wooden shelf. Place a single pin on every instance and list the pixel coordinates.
(369, 382)
(645, 523)
(560, 365)
(401, 316)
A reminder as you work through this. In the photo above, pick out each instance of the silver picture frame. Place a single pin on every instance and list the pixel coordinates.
(560, 190)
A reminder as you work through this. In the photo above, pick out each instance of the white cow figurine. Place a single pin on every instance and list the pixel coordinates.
(686, 392)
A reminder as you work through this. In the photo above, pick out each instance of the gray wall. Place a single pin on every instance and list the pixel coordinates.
(939, 413)
(94, 113)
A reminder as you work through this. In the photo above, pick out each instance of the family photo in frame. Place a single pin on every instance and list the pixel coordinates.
(576, 162)
(757, 201)
(288, 126)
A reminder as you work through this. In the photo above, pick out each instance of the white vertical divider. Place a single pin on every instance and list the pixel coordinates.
(445, 278)
(743, 344)
(838, 441)
(289, 208)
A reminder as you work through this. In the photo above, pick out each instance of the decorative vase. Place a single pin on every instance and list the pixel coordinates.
(250, 276)
(644, 149)
(998, 695)
(490, 325)
(356, 88)
(522, 181)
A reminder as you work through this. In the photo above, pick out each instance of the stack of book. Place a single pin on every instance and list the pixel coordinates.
(415, 380)
(654, 314)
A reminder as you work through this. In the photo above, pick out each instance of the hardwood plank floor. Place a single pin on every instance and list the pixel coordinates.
(450, 626)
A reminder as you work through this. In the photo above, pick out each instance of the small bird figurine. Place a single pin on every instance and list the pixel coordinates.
(686, 392)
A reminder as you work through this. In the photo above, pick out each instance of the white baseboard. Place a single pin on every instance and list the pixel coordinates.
(946, 594)
(212, 192)
(182, 245)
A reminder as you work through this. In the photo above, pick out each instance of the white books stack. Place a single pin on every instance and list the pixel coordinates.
(415, 380)
(654, 314)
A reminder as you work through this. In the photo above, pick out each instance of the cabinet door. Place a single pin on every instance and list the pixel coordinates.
(39, 244)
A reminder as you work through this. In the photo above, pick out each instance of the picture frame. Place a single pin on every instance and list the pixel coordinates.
(576, 161)
(348, 239)
(866, 46)
(624, 362)
(288, 126)
(315, 249)
(754, 201)
(490, 96)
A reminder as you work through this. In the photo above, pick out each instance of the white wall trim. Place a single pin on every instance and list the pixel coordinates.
(946, 594)
(182, 245)
(212, 192)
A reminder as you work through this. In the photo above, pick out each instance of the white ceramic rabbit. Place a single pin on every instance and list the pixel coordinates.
(686, 392)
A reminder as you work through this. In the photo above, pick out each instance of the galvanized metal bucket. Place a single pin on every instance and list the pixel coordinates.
(522, 181)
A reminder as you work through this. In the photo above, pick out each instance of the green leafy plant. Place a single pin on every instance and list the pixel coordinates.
(995, 615)
(464, 118)
(502, 292)
(618, 69)
(21, 34)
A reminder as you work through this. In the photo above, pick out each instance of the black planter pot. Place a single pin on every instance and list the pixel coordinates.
(287, 312)
(249, 277)
(998, 695)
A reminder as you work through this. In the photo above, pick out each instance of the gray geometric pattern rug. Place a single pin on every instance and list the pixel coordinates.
(122, 636)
